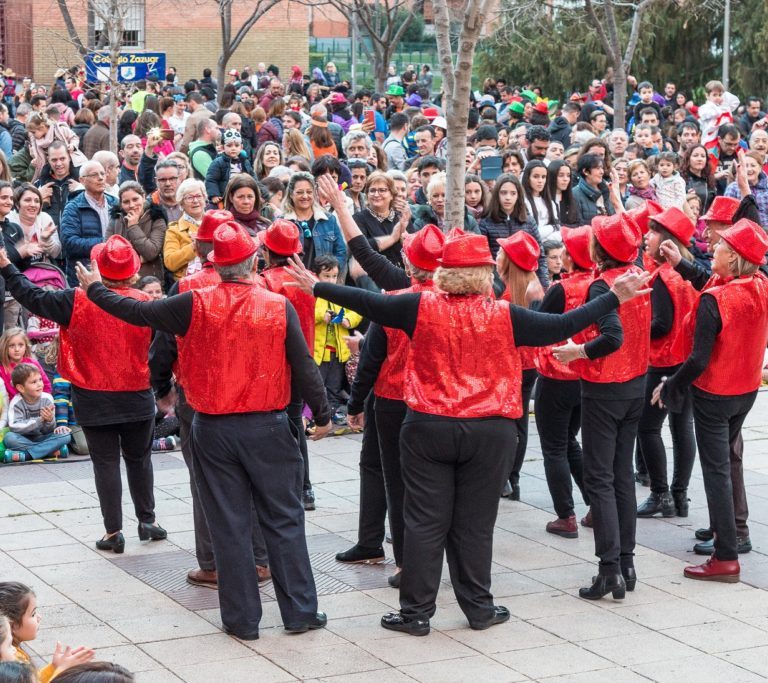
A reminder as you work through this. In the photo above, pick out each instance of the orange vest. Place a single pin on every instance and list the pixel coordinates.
(668, 350)
(631, 360)
(736, 363)
(575, 286)
(463, 361)
(224, 375)
(275, 279)
(102, 353)
(390, 382)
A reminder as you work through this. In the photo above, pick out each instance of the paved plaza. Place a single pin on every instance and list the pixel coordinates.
(136, 608)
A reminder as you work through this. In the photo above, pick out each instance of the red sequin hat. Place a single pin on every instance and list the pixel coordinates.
(675, 222)
(211, 221)
(722, 210)
(231, 244)
(522, 249)
(465, 250)
(424, 248)
(747, 239)
(618, 235)
(643, 214)
(576, 241)
(282, 237)
(116, 258)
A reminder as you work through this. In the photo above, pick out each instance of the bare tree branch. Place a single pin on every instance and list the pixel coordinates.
(595, 21)
(71, 30)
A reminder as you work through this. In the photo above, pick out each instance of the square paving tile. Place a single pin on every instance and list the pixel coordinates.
(552, 660)
(477, 668)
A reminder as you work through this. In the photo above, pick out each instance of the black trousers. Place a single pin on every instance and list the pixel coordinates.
(651, 444)
(135, 440)
(294, 411)
(454, 473)
(529, 379)
(557, 406)
(718, 426)
(332, 372)
(203, 543)
(373, 498)
(608, 433)
(389, 420)
(253, 459)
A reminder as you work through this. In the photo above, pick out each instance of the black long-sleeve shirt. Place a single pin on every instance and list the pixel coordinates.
(174, 316)
(92, 408)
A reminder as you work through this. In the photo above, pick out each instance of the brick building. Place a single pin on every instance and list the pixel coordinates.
(34, 40)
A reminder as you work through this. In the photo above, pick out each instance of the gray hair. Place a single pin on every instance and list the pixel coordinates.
(619, 131)
(188, 186)
(318, 111)
(89, 166)
(105, 157)
(397, 175)
(236, 271)
(104, 114)
(354, 136)
(230, 117)
(279, 172)
(24, 109)
(166, 163)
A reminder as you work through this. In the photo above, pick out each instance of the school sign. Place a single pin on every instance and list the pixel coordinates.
(133, 66)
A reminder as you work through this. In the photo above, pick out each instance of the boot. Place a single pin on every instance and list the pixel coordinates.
(657, 502)
(714, 570)
(602, 585)
(586, 520)
(681, 503)
(566, 528)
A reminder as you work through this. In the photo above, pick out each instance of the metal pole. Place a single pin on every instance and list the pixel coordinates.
(353, 17)
(726, 43)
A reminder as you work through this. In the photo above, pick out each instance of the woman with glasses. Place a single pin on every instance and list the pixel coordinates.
(320, 231)
(178, 249)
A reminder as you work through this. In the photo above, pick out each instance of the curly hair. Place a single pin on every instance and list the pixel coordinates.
(472, 280)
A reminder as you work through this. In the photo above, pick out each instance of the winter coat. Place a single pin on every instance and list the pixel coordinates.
(217, 177)
(96, 139)
(586, 197)
(424, 215)
(147, 238)
(178, 249)
(560, 130)
(496, 230)
(60, 194)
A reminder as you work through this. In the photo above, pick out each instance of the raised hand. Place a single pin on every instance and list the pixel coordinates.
(87, 277)
(631, 284)
(303, 279)
(64, 657)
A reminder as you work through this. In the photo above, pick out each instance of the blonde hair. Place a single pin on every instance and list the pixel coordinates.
(295, 146)
(5, 342)
(437, 180)
(740, 267)
(37, 120)
(188, 186)
(471, 280)
(516, 279)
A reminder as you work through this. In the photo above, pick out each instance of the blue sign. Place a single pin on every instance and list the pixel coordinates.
(133, 66)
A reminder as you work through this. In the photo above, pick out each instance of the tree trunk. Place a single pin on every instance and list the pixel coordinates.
(619, 96)
(221, 73)
(113, 67)
(381, 68)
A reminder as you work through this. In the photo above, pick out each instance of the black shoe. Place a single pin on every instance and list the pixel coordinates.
(115, 543)
(603, 585)
(359, 555)
(394, 621)
(308, 500)
(630, 577)
(657, 502)
(394, 580)
(743, 546)
(319, 621)
(704, 534)
(643, 478)
(500, 615)
(241, 636)
(515, 494)
(151, 532)
(681, 503)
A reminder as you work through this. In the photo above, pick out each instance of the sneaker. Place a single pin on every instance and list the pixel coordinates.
(167, 443)
(358, 554)
(15, 456)
(339, 418)
(64, 452)
(308, 499)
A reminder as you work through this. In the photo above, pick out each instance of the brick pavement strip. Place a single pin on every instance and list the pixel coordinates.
(138, 610)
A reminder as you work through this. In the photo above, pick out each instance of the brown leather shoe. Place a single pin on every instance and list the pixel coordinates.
(726, 571)
(566, 528)
(203, 577)
(586, 520)
(264, 573)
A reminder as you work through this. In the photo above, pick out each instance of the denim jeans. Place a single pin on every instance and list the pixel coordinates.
(37, 446)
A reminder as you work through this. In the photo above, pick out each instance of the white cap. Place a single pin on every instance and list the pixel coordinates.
(439, 122)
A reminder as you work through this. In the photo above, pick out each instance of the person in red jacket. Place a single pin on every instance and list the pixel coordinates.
(280, 241)
(106, 362)
(245, 451)
(731, 323)
(672, 300)
(613, 360)
(558, 394)
(463, 392)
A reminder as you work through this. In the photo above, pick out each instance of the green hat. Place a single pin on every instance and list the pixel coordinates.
(517, 108)
(529, 95)
(396, 90)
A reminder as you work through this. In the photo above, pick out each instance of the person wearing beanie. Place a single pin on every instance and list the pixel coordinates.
(557, 405)
(245, 452)
(611, 359)
(672, 300)
(724, 391)
(107, 363)
(230, 161)
(459, 419)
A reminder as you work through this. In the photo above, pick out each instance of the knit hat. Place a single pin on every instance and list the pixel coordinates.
(231, 135)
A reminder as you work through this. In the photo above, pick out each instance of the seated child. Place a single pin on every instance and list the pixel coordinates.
(18, 605)
(332, 323)
(33, 432)
(16, 348)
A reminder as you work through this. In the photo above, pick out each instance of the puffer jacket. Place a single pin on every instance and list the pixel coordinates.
(217, 177)
(146, 238)
(494, 231)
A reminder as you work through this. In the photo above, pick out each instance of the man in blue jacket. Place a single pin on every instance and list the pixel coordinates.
(85, 218)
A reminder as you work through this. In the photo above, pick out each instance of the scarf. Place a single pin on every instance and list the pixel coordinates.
(254, 222)
(647, 193)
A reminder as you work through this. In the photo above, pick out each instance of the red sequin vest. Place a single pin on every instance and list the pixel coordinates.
(527, 353)
(669, 349)
(391, 380)
(631, 360)
(275, 279)
(736, 363)
(102, 353)
(232, 358)
(463, 361)
(575, 286)
(202, 278)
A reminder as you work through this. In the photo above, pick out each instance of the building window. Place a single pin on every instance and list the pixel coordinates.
(133, 19)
